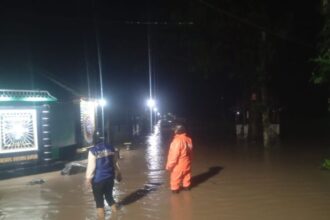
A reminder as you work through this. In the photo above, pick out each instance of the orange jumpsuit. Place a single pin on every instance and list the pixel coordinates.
(179, 161)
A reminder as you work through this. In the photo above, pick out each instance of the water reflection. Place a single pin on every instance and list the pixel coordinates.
(280, 183)
(181, 206)
(155, 156)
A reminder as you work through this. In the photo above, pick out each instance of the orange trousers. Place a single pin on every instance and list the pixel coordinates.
(179, 177)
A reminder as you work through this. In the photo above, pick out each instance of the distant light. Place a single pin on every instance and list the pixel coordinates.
(237, 113)
(155, 109)
(151, 103)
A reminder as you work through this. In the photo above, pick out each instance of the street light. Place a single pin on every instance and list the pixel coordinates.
(102, 102)
(151, 103)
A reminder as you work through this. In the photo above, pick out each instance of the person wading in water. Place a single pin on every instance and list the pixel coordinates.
(102, 169)
(179, 160)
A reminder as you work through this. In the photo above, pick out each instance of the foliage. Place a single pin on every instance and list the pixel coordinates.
(322, 72)
(326, 164)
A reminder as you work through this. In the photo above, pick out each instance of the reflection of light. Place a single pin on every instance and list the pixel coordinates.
(154, 151)
(151, 103)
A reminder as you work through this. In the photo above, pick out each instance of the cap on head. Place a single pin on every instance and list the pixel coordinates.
(179, 129)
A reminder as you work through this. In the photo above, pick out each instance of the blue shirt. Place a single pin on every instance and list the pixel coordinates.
(104, 167)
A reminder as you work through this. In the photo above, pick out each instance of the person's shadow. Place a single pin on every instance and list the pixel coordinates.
(196, 180)
(140, 193)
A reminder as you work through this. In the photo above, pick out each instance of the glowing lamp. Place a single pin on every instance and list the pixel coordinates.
(102, 102)
(151, 103)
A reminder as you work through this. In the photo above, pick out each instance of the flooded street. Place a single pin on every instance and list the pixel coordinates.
(230, 182)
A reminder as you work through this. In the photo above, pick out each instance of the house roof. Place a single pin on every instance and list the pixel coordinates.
(9, 95)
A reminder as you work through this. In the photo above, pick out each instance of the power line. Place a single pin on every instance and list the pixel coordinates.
(158, 22)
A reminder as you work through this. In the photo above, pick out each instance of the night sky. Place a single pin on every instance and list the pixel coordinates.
(60, 39)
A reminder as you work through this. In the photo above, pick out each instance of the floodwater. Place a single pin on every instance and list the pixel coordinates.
(231, 181)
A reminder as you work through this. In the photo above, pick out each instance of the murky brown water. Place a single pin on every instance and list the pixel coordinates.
(231, 182)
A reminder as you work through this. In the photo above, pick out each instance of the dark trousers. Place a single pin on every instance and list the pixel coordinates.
(103, 190)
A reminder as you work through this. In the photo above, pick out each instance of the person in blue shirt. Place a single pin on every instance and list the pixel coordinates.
(102, 170)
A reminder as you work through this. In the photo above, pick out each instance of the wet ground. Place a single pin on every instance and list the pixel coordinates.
(231, 181)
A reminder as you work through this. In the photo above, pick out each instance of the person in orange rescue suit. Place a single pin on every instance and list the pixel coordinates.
(179, 160)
